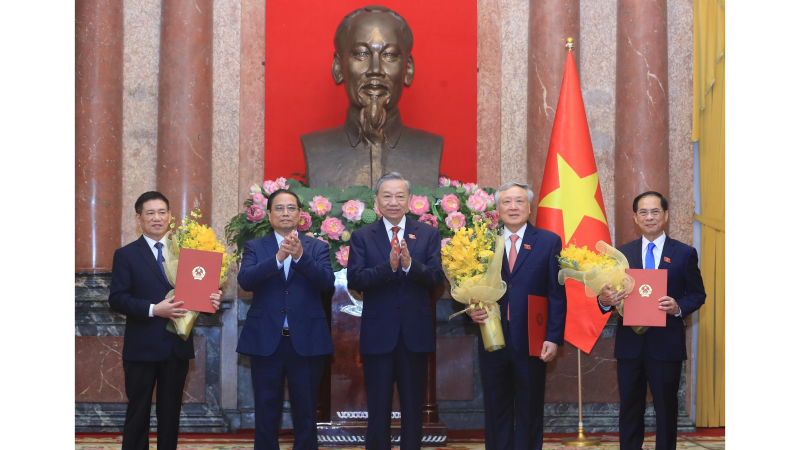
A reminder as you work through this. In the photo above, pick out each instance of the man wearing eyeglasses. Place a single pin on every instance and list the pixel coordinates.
(654, 357)
(286, 332)
(152, 357)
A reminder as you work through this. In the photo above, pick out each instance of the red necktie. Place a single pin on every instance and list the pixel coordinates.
(512, 258)
(395, 239)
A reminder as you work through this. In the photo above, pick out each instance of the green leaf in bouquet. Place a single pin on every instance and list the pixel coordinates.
(361, 193)
(331, 193)
(304, 193)
(421, 190)
(293, 183)
(441, 191)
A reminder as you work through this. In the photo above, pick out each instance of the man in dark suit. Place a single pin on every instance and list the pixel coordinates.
(151, 355)
(514, 381)
(656, 356)
(286, 332)
(395, 261)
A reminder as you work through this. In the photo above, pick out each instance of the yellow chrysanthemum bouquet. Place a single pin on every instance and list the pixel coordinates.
(472, 261)
(190, 234)
(596, 270)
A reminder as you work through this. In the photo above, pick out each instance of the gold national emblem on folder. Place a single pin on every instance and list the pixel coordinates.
(198, 273)
(645, 290)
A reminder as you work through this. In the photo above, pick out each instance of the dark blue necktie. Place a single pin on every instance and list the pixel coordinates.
(161, 260)
(650, 260)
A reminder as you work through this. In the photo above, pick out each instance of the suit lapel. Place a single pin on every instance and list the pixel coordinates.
(529, 238)
(669, 249)
(412, 227)
(271, 246)
(381, 237)
(636, 261)
(150, 260)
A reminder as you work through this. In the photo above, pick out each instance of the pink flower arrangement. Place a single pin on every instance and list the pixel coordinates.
(444, 181)
(270, 187)
(455, 220)
(377, 211)
(450, 203)
(255, 189)
(445, 242)
(469, 186)
(430, 219)
(482, 194)
(255, 213)
(281, 182)
(419, 204)
(455, 183)
(310, 234)
(352, 210)
(320, 205)
(258, 198)
(476, 203)
(493, 217)
(333, 227)
(305, 222)
(342, 255)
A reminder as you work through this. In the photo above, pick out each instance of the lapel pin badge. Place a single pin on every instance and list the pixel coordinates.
(411, 236)
(527, 247)
(667, 260)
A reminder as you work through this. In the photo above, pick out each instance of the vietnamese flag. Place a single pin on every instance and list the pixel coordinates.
(571, 203)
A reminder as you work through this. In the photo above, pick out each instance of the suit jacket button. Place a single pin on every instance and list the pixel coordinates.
(287, 292)
(283, 310)
(398, 308)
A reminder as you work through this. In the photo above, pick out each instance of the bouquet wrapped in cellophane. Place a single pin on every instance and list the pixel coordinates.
(596, 270)
(191, 235)
(472, 261)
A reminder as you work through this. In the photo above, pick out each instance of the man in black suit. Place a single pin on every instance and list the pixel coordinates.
(286, 332)
(654, 357)
(513, 380)
(395, 261)
(150, 354)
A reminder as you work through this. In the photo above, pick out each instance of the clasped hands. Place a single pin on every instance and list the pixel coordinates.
(170, 309)
(610, 297)
(479, 315)
(291, 246)
(404, 258)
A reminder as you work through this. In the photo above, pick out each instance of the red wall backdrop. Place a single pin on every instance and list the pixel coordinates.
(302, 97)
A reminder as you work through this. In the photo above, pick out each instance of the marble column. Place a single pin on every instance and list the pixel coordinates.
(642, 109)
(551, 22)
(185, 105)
(98, 133)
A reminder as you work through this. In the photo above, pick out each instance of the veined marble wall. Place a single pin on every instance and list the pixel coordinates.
(238, 141)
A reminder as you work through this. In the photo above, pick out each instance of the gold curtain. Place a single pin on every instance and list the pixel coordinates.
(708, 130)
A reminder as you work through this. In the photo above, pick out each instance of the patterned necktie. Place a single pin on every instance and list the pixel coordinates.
(512, 258)
(395, 239)
(160, 258)
(649, 259)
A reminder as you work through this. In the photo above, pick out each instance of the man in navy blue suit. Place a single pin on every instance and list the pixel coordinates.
(151, 355)
(395, 261)
(286, 332)
(513, 381)
(656, 356)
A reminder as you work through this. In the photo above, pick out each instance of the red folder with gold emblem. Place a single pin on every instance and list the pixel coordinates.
(537, 323)
(198, 278)
(641, 306)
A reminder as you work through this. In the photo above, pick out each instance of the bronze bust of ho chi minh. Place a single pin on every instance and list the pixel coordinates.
(373, 59)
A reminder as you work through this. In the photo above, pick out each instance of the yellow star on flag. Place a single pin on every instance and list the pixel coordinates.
(574, 197)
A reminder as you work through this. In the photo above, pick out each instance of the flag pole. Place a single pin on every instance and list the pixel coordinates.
(580, 440)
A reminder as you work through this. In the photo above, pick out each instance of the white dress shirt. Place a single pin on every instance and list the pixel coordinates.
(507, 233)
(400, 234)
(152, 244)
(285, 268)
(656, 250)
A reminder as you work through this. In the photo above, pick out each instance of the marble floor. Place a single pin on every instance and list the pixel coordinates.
(694, 441)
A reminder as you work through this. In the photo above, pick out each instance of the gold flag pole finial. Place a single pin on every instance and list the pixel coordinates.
(570, 44)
